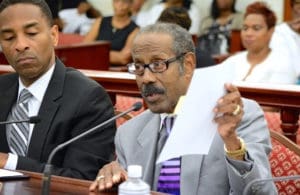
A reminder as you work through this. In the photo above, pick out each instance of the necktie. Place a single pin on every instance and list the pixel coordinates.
(169, 177)
(19, 132)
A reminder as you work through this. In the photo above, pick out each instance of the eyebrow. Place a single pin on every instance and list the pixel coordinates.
(26, 26)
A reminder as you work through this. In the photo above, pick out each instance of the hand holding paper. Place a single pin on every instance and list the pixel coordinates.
(194, 127)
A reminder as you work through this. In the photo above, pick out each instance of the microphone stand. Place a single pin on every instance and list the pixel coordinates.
(46, 179)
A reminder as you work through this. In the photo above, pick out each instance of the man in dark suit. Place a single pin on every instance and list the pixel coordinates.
(67, 102)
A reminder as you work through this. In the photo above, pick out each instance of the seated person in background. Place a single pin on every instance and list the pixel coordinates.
(180, 16)
(67, 102)
(136, 8)
(119, 29)
(151, 16)
(164, 62)
(73, 16)
(79, 19)
(286, 37)
(215, 30)
(259, 63)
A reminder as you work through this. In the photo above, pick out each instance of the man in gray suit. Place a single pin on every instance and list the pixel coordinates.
(164, 61)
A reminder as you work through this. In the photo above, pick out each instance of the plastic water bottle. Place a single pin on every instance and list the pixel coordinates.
(134, 185)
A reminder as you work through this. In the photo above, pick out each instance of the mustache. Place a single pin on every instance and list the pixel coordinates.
(151, 89)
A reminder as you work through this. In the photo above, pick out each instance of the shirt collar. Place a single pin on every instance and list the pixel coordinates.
(162, 118)
(38, 87)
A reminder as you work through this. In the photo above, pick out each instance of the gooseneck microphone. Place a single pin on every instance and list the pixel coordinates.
(251, 185)
(32, 119)
(48, 167)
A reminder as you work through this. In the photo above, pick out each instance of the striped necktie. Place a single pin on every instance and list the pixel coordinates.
(169, 177)
(19, 132)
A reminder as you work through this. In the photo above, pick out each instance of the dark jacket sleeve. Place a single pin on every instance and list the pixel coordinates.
(78, 112)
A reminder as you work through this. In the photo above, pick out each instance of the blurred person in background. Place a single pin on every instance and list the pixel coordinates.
(286, 37)
(180, 16)
(215, 30)
(151, 16)
(119, 29)
(259, 63)
(73, 16)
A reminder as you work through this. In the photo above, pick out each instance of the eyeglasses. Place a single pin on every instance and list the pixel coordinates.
(155, 67)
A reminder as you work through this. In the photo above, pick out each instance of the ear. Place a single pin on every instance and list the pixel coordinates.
(189, 64)
(54, 34)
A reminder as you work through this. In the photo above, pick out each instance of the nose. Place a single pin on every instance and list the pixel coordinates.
(21, 44)
(148, 76)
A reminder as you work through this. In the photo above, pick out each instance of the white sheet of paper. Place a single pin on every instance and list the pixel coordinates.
(194, 128)
(8, 173)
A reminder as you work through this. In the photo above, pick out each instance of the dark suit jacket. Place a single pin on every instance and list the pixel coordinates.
(72, 104)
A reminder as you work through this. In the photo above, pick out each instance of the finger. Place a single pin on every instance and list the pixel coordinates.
(93, 186)
(119, 174)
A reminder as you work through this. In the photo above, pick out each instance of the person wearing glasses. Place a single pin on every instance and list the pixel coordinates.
(164, 62)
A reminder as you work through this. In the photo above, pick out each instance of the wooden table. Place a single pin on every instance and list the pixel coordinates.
(59, 186)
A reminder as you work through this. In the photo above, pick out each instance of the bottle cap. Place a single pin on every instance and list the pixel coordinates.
(135, 171)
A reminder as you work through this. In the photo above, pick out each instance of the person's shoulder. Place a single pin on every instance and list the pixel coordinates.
(138, 122)
(78, 79)
(6, 79)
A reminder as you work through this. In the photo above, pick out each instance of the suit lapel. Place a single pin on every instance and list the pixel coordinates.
(7, 99)
(47, 112)
(146, 150)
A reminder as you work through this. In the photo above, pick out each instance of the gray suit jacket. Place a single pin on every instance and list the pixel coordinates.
(201, 174)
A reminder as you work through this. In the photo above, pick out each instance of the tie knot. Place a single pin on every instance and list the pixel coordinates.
(24, 96)
(168, 123)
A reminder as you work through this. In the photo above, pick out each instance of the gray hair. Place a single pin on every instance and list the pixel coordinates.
(182, 39)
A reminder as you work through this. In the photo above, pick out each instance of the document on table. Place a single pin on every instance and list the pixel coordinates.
(11, 175)
(194, 128)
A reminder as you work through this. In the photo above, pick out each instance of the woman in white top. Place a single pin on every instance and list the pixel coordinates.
(151, 16)
(259, 63)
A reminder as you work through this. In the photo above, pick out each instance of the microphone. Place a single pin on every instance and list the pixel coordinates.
(251, 185)
(48, 167)
(32, 119)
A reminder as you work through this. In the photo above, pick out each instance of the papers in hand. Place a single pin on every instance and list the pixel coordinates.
(11, 175)
(194, 128)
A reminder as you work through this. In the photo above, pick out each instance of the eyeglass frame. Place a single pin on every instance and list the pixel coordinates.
(167, 62)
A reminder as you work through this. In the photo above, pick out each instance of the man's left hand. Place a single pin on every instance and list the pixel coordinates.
(229, 113)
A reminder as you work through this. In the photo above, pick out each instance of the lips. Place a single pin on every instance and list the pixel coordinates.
(152, 97)
(25, 60)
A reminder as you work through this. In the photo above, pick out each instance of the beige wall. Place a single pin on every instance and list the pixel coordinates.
(105, 6)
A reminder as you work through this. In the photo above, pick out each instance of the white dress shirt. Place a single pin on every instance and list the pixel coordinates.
(38, 90)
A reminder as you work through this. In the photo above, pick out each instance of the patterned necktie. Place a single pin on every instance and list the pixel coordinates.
(169, 177)
(19, 132)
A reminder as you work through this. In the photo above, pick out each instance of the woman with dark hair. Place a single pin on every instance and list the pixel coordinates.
(151, 16)
(215, 31)
(119, 29)
(259, 63)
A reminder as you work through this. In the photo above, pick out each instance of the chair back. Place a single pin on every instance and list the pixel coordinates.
(285, 161)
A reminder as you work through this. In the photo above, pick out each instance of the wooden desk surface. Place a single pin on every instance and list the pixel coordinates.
(59, 186)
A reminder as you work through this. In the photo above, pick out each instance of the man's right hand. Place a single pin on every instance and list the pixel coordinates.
(110, 175)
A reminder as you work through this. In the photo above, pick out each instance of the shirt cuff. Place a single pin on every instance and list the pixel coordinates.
(12, 161)
(241, 167)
